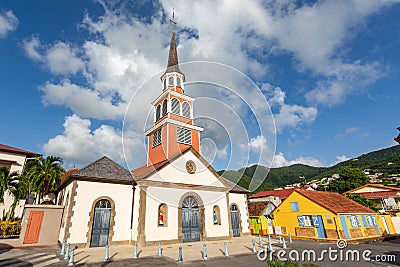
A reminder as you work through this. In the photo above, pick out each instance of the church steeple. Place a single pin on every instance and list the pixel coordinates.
(173, 130)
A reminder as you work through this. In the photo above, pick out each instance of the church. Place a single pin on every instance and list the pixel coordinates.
(176, 197)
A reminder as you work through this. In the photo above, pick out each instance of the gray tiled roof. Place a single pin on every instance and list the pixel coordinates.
(234, 187)
(105, 169)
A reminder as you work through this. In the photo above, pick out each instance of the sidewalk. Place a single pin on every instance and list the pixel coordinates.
(190, 251)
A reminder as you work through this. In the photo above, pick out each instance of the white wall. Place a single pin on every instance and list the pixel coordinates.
(136, 214)
(17, 159)
(87, 193)
(241, 201)
(65, 203)
(176, 172)
(172, 196)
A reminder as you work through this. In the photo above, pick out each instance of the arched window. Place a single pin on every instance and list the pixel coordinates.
(216, 215)
(103, 204)
(158, 111)
(163, 215)
(171, 81)
(175, 106)
(178, 81)
(185, 110)
(164, 107)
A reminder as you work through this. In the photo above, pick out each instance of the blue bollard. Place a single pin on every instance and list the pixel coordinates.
(290, 238)
(180, 258)
(62, 252)
(204, 252)
(159, 249)
(280, 239)
(269, 239)
(283, 243)
(135, 256)
(71, 258)
(259, 240)
(226, 249)
(67, 252)
(254, 246)
(270, 245)
(107, 257)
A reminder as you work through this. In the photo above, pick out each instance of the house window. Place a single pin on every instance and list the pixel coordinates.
(307, 220)
(163, 215)
(165, 83)
(185, 110)
(355, 221)
(295, 206)
(158, 112)
(216, 215)
(164, 107)
(175, 106)
(184, 136)
(157, 137)
(178, 81)
(171, 81)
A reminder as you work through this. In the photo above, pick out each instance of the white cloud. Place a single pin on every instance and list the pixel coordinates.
(347, 131)
(339, 159)
(8, 23)
(287, 115)
(59, 58)
(280, 161)
(80, 145)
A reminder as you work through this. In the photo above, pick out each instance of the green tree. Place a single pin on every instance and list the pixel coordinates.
(7, 181)
(362, 200)
(350, 178)
(44, 174)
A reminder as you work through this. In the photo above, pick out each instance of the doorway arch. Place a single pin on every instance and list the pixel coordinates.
(101, 222)
(191, 218)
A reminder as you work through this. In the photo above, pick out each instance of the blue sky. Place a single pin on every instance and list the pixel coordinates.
(328, 69)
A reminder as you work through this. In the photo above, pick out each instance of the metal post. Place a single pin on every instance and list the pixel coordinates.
(269, 239)
(270, 245)
(226, 249)
(62, 252)
(204, 252)
(180, 258)
(254, 246)
(283, 243)
(290, 238)
(259, 240)
(159, 249)
(106, 257)
(71, 258)
(67, 252)
(280, 239)
(135, 256)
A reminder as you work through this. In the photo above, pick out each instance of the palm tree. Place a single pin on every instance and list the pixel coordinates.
(44, 174)
(8, 180)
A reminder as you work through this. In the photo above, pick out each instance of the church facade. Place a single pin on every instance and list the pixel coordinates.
(176, 197)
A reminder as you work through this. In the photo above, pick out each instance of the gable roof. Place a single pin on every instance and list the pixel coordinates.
(334, 202)
(145, 171)
(256, 208)
(15, 150)
(381, 194)
(102, 170)
(372, 185)
(281, 193)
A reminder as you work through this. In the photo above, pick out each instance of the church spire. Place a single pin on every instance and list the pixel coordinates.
(173, 65)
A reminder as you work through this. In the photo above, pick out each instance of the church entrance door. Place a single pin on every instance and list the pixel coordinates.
(190, 220)
(101, 224)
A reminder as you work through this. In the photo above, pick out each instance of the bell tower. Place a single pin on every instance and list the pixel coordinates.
(173, 129)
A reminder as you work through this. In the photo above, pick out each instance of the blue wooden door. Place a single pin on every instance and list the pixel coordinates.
(235, 220)
(319, 225)
(344, 226)
(101, 224)
(190, 220)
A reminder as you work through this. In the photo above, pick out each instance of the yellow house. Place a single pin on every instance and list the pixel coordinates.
(326, 215)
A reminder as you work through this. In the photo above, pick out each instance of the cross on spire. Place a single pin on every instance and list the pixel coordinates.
(172, 20)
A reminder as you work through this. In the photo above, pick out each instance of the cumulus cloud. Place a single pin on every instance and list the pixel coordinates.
(80, 145)
(339, 159)
(8, 23)
(280, 161)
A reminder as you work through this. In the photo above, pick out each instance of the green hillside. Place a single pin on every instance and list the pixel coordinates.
(376, 161)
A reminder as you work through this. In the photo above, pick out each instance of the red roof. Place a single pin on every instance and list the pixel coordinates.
(281, 193)
(373, 185)
(69, 173)
(334, 202)
(380, 194)
(17, 150)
